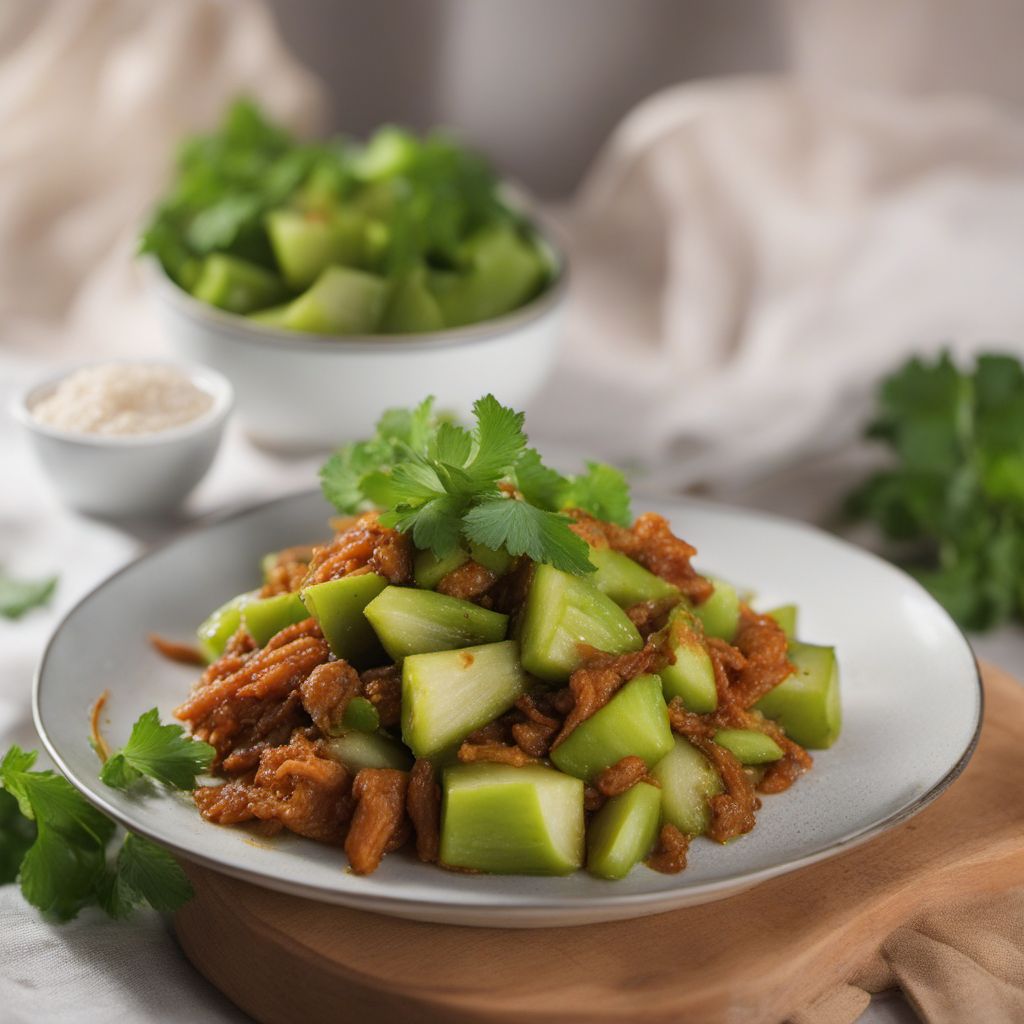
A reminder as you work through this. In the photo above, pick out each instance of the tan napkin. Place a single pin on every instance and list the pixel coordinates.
(957, 965)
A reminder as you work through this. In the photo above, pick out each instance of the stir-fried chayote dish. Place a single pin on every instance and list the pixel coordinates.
(494, 665)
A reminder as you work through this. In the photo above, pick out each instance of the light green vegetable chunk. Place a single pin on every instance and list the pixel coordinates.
(358, 750)
(448, 694)
(337, 606)
(690, 675)
(633, 723)
(266, 616)
(786, 616)
(411, 621)
(429, 570)
(389, 152)
(411, 308)
(236, 285)
(806, 704)
(720, 613)
(627, 582)
(511, 821)
(622, 833)
(749, 746)
(361, 715)
(218, 628)
(688, 781)
(563, 611)
(341, 301)
(305, 245)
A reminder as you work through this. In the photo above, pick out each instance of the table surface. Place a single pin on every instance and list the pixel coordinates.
(112, 967)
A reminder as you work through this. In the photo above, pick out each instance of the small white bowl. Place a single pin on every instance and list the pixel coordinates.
(137, 475)
(302, 392)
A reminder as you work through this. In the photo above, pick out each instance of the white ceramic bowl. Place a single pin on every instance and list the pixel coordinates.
(307, 391)
(136, 475)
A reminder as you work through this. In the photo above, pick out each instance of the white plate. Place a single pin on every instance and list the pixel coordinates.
(911, 704)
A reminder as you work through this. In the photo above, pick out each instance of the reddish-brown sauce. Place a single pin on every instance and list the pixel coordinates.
(172, 650)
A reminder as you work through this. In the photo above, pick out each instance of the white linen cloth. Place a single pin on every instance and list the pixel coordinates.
(748, 258)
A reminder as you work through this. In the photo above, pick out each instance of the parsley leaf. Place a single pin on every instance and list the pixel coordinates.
(62, 868)
(953, 499)
(144, 874)
(162, 752)
(446, 485)
(19, 596)
(17, 833)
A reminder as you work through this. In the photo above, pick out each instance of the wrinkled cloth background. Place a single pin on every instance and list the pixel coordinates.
(749, 257)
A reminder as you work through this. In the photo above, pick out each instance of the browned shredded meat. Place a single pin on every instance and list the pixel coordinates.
(669, 854)
(378, 819)
(650, 616)
(241, 729)
(508, 595)
(496, 753)
(288, 571)
(382, 687)
(622, 775)
(470, 581)
(294, 785)
(498, 731)
(593, 799)
(601, 676)
(184, 654)
(367, 546)
(326, 693)
(764, 645)
(239, 643)
(533, 738)
(732, 812)
(423, 804)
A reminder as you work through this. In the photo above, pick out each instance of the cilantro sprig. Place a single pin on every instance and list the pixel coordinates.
(953, 500)
(446, 485)
(161, 752)
(55, 843)
(19, 596)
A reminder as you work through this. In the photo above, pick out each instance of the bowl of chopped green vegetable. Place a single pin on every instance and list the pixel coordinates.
(331, 280)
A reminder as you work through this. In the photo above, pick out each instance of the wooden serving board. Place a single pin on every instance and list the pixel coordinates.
(750, 959)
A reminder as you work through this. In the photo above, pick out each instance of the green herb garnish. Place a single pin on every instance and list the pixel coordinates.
(445, 485)
(956, 492)
(144, 874)
(19, 596)
(161, 752)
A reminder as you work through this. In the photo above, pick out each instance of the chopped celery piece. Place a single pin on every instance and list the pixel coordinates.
(627, 582)
(786, 616)
(622, 833)
(563, 611)
(720, 613)
(514, 821)
(688, 781)
(749, 746)
(337, 606)
(305, 245)
(429, 570)
(448, 694)
(504, 271)
(236, 285)
(358, 750)
(220, 625)
(389, 152)
(273, 317)
(341, 301)
(411, 621)
(267, 564)
(411, 309)
(499, 562)
(266, 616)
(361, 715)
(633, 723)
(806, 704)
(690, 675)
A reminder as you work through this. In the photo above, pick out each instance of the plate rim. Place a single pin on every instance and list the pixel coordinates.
(609, 907)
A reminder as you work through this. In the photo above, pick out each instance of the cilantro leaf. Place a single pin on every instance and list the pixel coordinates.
(524, 529)
(499, 439)
(602, 491)
(17, 833)
(61, 869)
(144, 874)
(162, 752)
(19, 596)
(539, 484)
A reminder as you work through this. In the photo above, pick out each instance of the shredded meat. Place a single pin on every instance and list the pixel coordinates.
(650, 616)
(295, 785)
(364, 546)
(470, 581)
(326, 693)
(651, 542)
(498, 731)
(239, 643)
(382, 687)
(764, 645)
(378, 819)
(593, 799)
(535, 735)
(732, 812)
(622, 775)
(240, 730)
(184, 654)
(285, 576)
(423, 804)
(508, 595)
(601, 676)
(496, 753)
(669, 854)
